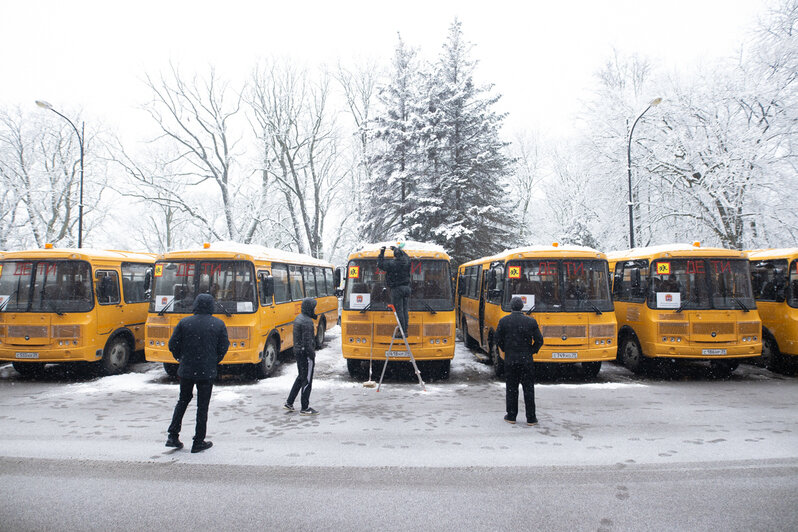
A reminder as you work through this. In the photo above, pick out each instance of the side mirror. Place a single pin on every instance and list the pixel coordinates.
(461, 285)
(148, 276)
(104, 288)
(266, 287)
(494, 293)
(337, 278)
(492, 280)
(634, 275)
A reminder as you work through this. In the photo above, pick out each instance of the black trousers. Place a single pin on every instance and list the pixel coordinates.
(520, 373)
(204, 389)
(400, 299)
(303, 382)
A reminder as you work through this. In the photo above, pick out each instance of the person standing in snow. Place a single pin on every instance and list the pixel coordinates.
(199, 343)
(305, 354)
(397, 277)
(519, 337)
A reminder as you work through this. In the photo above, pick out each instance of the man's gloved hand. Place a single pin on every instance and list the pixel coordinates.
(393, 248)
(382, 249)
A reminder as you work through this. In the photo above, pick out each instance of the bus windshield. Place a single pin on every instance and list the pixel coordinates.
(701, 284)
(45, 286)
(565, 285)
(430, 286)
(176, 284)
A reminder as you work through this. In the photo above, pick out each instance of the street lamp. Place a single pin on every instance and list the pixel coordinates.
(80, 134)
(652, 103)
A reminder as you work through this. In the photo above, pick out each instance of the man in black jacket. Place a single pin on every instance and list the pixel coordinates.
(305, 354)
(397, 277)
(519, 337)
(199, 343)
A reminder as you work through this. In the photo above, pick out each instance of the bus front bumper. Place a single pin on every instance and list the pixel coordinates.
(36, 353)
(704, 352)
(567, 353)
(234, 355)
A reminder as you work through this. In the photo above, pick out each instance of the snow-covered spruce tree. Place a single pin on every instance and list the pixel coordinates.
(396, 161)
(461, 203)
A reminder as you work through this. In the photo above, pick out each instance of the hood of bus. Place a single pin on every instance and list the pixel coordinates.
(20, 329)
(382, 324)
(576, 329)
(709, 326)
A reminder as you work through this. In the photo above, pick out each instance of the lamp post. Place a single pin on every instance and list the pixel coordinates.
(652, 103)
(80, 134)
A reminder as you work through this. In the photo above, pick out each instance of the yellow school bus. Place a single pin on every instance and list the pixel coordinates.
(72, 305)
(682, 301)
(566, 289)
(258, 293)
(774, 276)
(367, 323)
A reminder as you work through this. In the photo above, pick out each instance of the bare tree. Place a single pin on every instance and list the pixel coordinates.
(300, 147)
(525, 179)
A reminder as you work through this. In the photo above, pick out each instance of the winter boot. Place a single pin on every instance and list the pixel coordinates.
(173, 440)
(200, 446)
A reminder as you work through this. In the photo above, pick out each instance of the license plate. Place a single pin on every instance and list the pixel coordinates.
(713, 351)
(27, 355)
(396, 354)
(564, 355)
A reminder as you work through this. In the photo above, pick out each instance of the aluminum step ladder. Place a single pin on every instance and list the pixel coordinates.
(390, 353)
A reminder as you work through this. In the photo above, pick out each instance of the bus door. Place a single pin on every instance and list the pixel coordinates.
(483, 294)
(106, 287)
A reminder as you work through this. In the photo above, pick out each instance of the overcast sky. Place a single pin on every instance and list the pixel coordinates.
(542, 56)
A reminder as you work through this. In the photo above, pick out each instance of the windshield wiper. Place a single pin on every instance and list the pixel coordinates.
(364, 309)
(166, 307)
(682, 306)
(742, 305)
(432, 310)
(226, 313)
(581, 297)
(53, 306)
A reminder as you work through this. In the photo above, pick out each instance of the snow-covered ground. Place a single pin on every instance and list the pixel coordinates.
(616, 419)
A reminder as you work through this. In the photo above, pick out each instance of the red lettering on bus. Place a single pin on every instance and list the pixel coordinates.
(415, 267)
(547, 268)
(721, 266)
(211, 269)
(45, 268)
(185, 269)
(23, 268)
(695, 266)
(574, 268)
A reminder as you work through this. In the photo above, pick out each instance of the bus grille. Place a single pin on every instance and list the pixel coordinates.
(437, 329)
(358, 329)
(66, 331)
(749, 327)
(31, 331)
(386, 329)
(718, 328)
(238, 333)
(558, 331)
(157, 332)
(673, 328)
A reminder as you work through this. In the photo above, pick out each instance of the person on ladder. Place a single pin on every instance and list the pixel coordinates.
(519, 337)
(397, 277)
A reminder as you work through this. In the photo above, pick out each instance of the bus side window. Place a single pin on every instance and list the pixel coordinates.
(280, 274)
(107, 287)
(297, 288)
(265, 287)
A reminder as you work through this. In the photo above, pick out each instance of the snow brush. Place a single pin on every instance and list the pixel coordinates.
(370, 383)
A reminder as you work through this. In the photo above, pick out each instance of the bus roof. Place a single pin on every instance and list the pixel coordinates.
(552, 251)
(773, 253)
(412, 248)
(233, 250)
(87, 254)
(673, 250)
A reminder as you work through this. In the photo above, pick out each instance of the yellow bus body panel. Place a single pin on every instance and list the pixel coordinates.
(73, 336)
(779, 318)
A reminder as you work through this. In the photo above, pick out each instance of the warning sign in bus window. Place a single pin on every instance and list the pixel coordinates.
(158, 270)
(514, 272)
(663, 268)
(354, 272)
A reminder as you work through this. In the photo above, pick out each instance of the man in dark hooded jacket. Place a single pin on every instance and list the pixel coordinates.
(305, 354)
(199, 343)
(397, 277)
(519, 337)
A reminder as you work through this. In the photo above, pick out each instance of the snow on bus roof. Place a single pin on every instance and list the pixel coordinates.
(559, 247)
(114, 254)
(259, 252)
(666, 248)
(771, 253)
(410, 245)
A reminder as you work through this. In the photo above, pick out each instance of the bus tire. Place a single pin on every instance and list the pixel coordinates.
(498, 361)
(632, 356)
(444, 369)
(771, 355)
(722, 369)
(268, 363)
(467, 340)
(355, 368)
(320, 333)
(29, 369)
(116, 355)
(591, 369)
(171, 369)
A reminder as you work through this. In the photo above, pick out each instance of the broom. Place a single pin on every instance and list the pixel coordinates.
(370, 383)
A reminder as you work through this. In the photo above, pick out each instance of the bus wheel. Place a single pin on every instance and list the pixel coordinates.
(266, 366)
(115, 356)
(773, 358)
(29, 369)
(320, 332)
(498, 361)
(355, 367)
(171, 369)
(591, 369)
(444, 368)
(632, 356)
(467, 340)
(722, 369)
